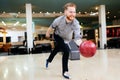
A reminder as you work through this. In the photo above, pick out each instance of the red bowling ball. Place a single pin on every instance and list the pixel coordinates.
(87, 48)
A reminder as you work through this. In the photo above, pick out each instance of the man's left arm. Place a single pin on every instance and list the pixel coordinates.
(77, 35)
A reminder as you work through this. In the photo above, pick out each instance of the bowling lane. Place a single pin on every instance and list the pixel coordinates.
(104, 65)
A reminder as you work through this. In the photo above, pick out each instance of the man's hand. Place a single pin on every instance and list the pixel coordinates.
(48, 32)
(47, 35)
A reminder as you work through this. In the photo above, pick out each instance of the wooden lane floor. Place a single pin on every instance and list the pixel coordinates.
(105, 65)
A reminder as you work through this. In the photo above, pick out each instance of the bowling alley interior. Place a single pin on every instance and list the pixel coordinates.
(24, 47)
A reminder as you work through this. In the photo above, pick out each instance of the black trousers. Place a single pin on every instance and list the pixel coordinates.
(60, 45)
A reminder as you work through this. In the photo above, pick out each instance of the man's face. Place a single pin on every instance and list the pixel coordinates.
(70, 13)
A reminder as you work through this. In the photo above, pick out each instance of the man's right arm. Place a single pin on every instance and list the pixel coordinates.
(49, 30)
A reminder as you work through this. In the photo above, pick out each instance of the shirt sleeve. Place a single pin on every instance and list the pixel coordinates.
(77, 32)
(54, 24)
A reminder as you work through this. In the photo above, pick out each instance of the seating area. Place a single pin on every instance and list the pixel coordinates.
(41, 46)
(17, 48)
(113, 43)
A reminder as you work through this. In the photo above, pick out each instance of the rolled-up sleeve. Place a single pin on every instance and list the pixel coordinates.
(54, 24)
(77, 32)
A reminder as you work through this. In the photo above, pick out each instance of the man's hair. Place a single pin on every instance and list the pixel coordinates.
(69, 5)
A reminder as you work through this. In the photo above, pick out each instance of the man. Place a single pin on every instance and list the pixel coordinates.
(64, 27)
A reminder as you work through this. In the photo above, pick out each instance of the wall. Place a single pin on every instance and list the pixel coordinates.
(14, 35)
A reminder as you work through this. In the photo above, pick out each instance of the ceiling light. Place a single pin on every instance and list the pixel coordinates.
(96, 8)
(81, 23)
(16, 23)
(3, 23)
(18, 12)
(85, 12)
(23, 25)
(47, 13)
(33, 12)
(108, 17)
(79, 12)
(40, 12)
(114, 16)
(60, 12)
(108, 12)
(95, 13)
(53, 12)
(4, 12)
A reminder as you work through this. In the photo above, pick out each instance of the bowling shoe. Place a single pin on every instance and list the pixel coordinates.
(66, 75)
(46, 64)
